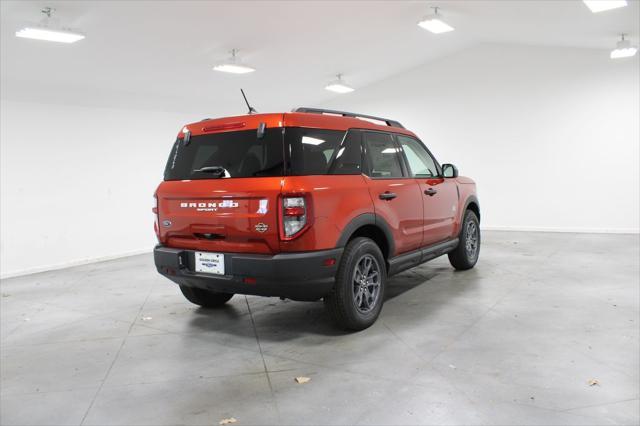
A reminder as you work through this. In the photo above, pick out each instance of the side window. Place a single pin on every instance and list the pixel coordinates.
(382, 154)
(348, 159)
(420, 162)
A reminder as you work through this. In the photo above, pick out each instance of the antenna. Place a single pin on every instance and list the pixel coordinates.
(252, 110)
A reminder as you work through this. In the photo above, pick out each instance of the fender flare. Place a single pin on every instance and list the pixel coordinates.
(367, 219)
(470, 199)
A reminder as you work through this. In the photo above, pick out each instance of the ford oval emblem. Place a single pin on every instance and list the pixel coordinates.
(166, 223)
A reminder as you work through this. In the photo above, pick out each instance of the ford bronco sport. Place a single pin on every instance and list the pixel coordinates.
(308, 205)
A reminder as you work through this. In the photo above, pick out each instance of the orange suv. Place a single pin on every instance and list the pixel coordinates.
(312, 204)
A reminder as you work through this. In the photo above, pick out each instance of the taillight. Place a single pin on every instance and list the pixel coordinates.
(156, 221)
(295, 216)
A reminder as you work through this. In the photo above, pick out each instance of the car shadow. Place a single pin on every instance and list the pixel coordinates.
(283, 320)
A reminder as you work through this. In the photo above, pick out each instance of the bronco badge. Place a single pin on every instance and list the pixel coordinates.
(261, 227)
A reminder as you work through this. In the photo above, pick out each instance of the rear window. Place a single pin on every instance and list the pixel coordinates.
(241, 154)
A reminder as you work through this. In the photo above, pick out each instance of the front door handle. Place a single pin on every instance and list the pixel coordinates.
(387, 196)
(430, 191)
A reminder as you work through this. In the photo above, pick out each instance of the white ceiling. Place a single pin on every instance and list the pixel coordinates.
(158, 55)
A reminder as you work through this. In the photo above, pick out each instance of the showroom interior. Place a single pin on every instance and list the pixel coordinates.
(537, 101)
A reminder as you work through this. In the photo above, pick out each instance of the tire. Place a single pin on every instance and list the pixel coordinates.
(205, 298)
(355, 304)
(466, 254)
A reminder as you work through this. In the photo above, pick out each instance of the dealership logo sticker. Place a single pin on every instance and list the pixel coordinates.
(261, 227)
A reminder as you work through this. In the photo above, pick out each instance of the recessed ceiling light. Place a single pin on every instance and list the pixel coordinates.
(623, 49)
(434, 23)
(48, 32)
(339, 86)
(233, 65)
(602, 5)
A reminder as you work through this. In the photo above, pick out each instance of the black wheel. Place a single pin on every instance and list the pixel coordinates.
(205, 298)
(356, 299)
(466, 254)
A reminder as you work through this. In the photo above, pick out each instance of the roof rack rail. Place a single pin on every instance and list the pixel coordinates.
(391, 123)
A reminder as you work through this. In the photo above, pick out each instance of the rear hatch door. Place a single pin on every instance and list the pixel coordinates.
(221, 191)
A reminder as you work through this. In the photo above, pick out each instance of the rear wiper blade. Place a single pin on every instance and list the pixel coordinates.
(217, 170)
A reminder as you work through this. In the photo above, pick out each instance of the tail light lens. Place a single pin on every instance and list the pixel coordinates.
(294, 216)
(156, 221)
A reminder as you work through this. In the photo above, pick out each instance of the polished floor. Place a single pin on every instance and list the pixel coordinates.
(544, 331)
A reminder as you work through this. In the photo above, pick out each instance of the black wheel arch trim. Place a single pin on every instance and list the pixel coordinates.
(363, 220)
(471, 199)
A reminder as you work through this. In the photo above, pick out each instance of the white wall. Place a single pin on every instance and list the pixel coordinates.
(551, 135)
(77, 182)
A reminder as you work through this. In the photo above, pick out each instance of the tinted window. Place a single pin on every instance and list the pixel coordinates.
(382, 155)
(241, 154)
(311, 150)
(421, 164)
(348, 160)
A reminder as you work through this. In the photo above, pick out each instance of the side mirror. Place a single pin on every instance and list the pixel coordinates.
(449, 171)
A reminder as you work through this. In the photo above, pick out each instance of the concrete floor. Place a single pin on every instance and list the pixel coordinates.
(514, 341)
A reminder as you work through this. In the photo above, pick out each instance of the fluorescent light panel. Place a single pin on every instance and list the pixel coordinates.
(626, 52)
(623, 49)
(339, 88)
(59, 36)
(234, 68)
(435, 25)
(602, 5)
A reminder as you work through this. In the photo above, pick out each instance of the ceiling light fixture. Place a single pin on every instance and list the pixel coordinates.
(602, 5)
(434, 23)
(234, 65)
(623, 49)
(339, 86)
(47, 30)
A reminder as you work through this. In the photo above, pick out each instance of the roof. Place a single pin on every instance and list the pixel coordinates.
(288, 119)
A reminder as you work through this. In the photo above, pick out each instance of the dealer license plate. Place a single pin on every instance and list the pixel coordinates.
(210, 263)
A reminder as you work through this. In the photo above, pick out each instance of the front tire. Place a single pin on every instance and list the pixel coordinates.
(357, 297)
(205, 298)
(466, 254)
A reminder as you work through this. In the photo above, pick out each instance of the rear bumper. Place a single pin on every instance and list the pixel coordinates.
(297, 276)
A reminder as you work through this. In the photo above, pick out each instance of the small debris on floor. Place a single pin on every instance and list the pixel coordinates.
(453, 367)
(227, 421)
(5, 295)
(147, 318)
(594, 382)
(302, 380)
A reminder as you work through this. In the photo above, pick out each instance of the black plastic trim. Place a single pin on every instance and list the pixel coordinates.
(363, 220)
(297, 276)
(471, 199)
(414, 258)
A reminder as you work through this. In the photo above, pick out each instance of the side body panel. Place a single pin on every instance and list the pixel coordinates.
(336, 200)
(441, 209)
(403, 213)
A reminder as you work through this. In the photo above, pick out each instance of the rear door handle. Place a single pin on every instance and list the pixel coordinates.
(387, 196)
(430, 191)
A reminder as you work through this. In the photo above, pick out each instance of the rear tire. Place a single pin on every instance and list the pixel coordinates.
(205, 298)
(357, 297)
(466, 254)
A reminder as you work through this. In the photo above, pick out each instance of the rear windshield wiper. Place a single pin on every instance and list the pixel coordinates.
(216, 170)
